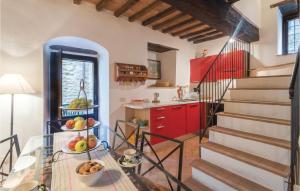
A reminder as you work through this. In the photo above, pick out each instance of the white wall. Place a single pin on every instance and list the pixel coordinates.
(27, 24)
(264, 52)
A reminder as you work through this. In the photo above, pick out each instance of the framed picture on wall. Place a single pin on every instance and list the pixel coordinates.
(154, 69)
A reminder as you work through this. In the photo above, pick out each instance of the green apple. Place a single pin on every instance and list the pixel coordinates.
(80, 146)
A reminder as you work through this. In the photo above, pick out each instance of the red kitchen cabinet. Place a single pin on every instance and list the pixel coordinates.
(199, 67)
(225, 65)
(168, 121)
(177, 120)
(159, 123)
(193, 117)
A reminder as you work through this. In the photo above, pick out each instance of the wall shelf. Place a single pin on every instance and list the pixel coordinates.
(130, 72)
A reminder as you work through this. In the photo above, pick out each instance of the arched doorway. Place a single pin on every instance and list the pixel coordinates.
(61, 56)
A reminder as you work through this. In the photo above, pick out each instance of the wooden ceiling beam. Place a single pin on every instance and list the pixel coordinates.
(196, 33)
(125, 7)
(219, 15)
(178, 25)
(77, 2)
(209, 38)
(144, 11)
(182, 31)
(281, 3)
(158, 16)
(203, 35)
(167, 22)
(101, 5)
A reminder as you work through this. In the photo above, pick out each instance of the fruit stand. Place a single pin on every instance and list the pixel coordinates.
(80, 144)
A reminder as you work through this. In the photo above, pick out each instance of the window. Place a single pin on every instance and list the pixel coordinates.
(291, 32)
(67, 69)
(72, 72)
(75, 68)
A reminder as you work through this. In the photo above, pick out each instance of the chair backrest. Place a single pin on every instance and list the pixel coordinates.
(127, 132)
(14, 142)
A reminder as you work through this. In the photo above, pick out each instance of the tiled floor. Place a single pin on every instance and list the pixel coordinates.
(190, 153)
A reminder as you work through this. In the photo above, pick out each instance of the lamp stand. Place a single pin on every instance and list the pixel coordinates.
(11, 131)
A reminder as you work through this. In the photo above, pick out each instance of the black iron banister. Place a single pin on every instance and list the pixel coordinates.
(232, 62)
(294, 77)
(295, 124)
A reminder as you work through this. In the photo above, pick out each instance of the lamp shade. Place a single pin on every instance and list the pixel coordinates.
(14, 84)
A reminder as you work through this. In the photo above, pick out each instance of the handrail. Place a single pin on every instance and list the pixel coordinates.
(294, 94)
(295, 124)
(294, 77)
(231, 62)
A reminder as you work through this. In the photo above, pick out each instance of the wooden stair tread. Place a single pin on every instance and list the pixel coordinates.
(255, 137)
(195, 185)
(277, 76)
(256, 118)
(229, 178)
(274, 167)
(257, 102)
(258, 89)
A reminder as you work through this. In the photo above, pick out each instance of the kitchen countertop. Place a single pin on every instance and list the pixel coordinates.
(153, 105)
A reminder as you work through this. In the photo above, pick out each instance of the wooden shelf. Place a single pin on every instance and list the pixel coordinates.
(130, 72)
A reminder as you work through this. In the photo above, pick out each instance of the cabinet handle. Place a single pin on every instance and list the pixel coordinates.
(177, 107)
(195, 105)
(162, 117)
(159, 109)
(160, 127)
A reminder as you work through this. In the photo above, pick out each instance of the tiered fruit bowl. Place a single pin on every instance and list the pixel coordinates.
(79, 145)
(80, 124)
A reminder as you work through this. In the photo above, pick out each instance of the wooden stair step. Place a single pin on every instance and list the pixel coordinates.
(229, 178)
(231, 89)
(256, 118)
(277, 76)
(195, 185)
(255, 137)
(257, 102)
(274, 167)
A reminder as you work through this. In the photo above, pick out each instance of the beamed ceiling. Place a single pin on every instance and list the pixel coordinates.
(179, 18)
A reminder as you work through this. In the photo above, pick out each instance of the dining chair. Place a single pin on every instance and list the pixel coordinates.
(14, 142)
(156, 161)
(127, 132)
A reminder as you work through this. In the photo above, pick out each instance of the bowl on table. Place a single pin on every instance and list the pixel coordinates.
(90, 172)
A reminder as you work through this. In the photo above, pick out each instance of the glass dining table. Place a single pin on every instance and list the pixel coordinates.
(42, 166)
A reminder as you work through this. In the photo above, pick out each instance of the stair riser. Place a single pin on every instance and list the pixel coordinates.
(275, 72)
(261, 110)
(260, 95)
(267, 151)
(255, 174)
(209, 181)
(256, 127)
(276, 82)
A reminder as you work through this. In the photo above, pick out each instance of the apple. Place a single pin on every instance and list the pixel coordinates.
(79, 138)
(72, 144)
(92, 141)
(78, 119)
(80, 146)
(70, 124)
(79, 125)
(91, 122)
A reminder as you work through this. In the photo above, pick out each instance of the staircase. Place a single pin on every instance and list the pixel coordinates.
(249, 148)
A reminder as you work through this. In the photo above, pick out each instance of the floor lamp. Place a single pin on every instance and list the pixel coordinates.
(13, 84)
